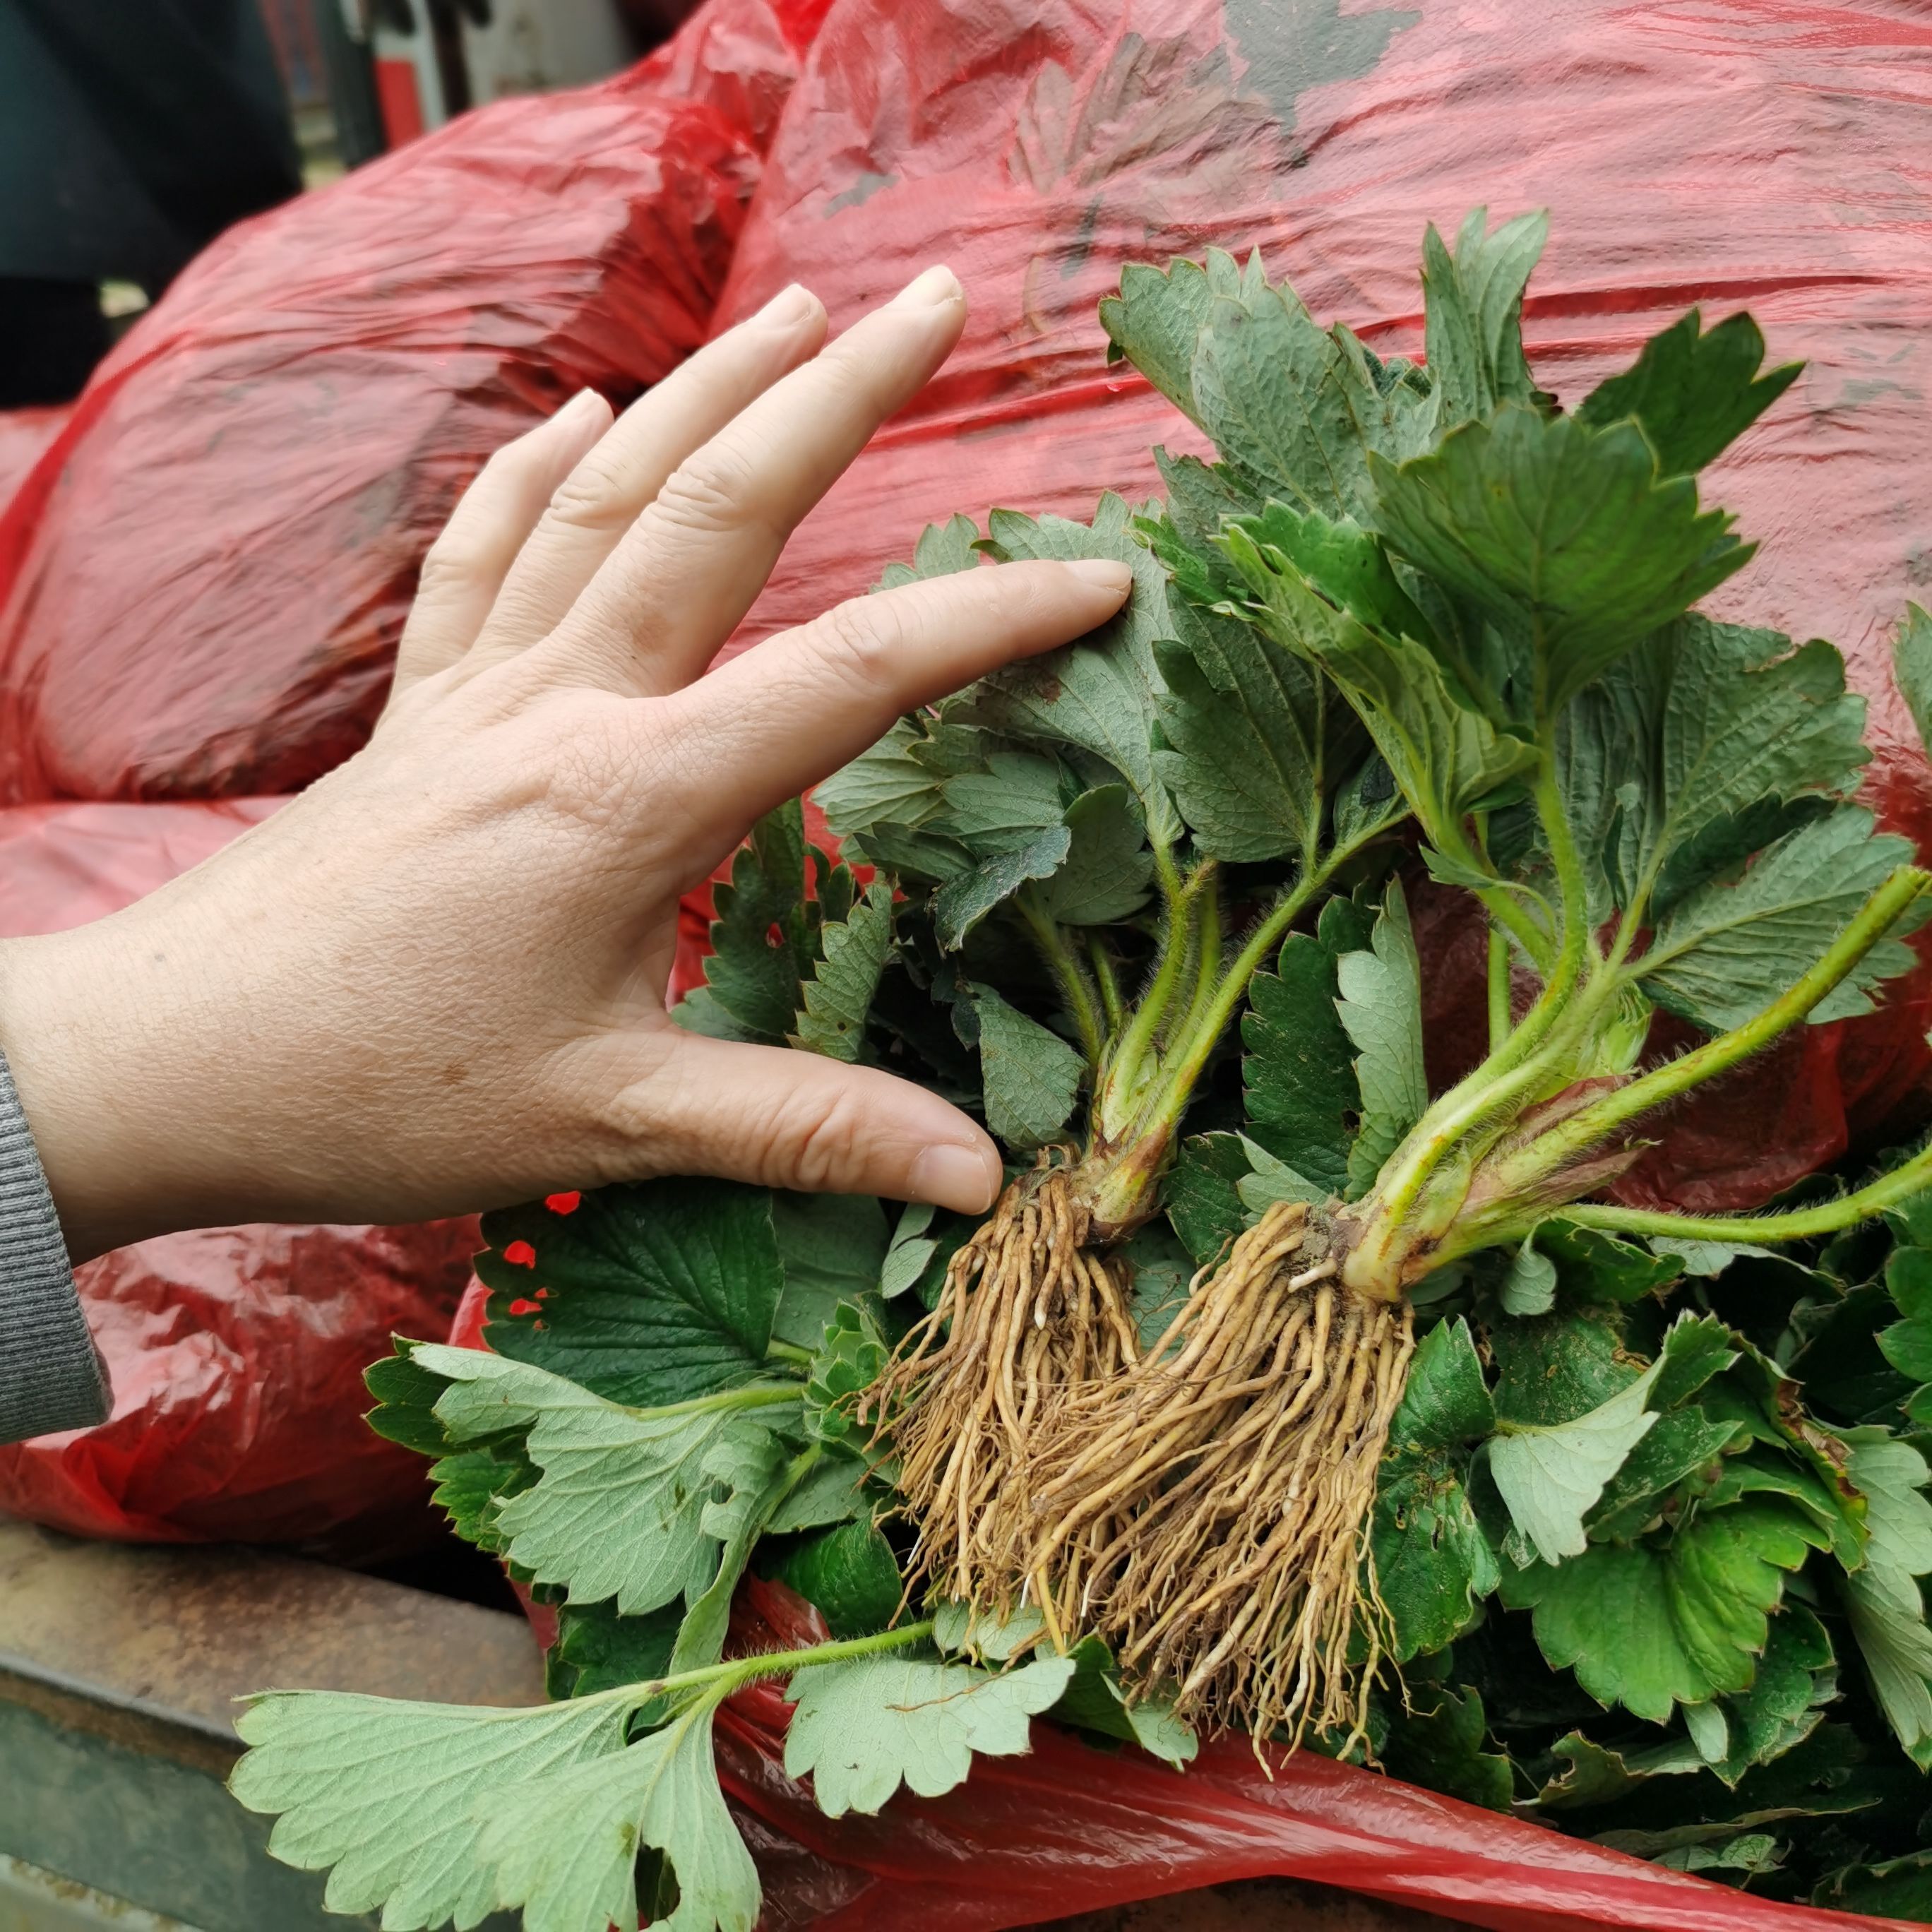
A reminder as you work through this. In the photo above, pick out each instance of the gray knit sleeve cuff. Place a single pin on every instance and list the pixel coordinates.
(51, 1375)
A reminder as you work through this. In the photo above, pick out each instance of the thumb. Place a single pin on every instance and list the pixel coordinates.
(782, 1118)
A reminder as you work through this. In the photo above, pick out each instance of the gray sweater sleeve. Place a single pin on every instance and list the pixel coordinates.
(51, 1376)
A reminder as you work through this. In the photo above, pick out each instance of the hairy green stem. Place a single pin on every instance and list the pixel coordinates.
(1069, 975)
(1109, 981)
(1572, 886)
(742, 1398)
(1498, 984)
(1595, 1124)
(1124, 1073)
(1829, 1217)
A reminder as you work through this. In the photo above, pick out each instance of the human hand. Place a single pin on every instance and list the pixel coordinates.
(435, 981)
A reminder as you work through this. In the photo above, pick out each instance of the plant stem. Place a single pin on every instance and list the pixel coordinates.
(1123, 1078)
(742, 1398)
(1068, 973)
(1109, 981)
(726, 1677)
(1595, 1124)
(1572, 887)
(1499, 986)
(1829, 1218)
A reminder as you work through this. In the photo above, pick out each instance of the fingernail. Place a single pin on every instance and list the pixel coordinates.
(1104, 571)
(964, 1178)
(790, 305)
(929, 290)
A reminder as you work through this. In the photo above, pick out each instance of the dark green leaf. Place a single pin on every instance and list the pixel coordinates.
(831, 1247)
(1692, 394)
(597, 1650)
(1474, 306)
(1438, 1742)
(1157, 317)
(850, 1573)
(654, 1292)
(1380, 1002)
(838, 996)
(1031, 1075)
(1201, 1198)
(757, 939)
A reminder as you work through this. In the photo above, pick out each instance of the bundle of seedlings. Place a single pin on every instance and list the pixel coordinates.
(1276, 1392)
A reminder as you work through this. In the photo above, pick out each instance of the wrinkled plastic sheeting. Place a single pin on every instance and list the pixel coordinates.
(203, 580)
(1768, 154)
(25, 435)
(236, 1353)
(1069, 1829)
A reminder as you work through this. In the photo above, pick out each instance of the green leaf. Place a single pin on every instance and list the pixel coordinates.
(651, 1292)
(1553, 1368)
(832, 1490)
(1433, 1563)
(1473, 304)
(389, 1796)
(839, 995)
(884, 784)
(1683, 1445)
(405, 1398)
(1156, 320)
(1203, 1203)
(470, 1486)
(1298, 1072)
(1593, 1266)
(1722, 952)
(1006, 804)
(1912, 666)
(1551, 1477)
(984, 1637)
(597, 1649)
(1678, 1619)
(848, 1360)
(1094, 1701)
(831, 1247)
(1692, 394)
(1529, 1288)
(1269, 1180)
(1108, 868)
(1097, 695)
(1438, 1742)
(1782, 1708)
(1031, 1075)
(1296, 410)
(850, 1573)
(1899, 1888)
(1380, 1002)
(1243, 720)
(964, 901)
(624, 1507)
(1883, 1600)
(1592, 1775)
(943, 550)
(757, 939)
(912, 1248)
(863, 1727)
(565, 1851)
(1564, 538)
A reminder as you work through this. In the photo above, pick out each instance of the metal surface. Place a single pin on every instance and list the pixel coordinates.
(119, 1668)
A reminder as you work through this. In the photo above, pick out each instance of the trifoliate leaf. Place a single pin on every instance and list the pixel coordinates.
(1912, 666)
(838, 993)
(1692, 394)
(1295, 409)
(1157, 317)
(1298, 1073)
(390, 1797)
(1433, 1563)
(1551, 1477)
(831, 1247)
(565, 1851)
(650, 1292)
(850, 1573)
(759, 949)
(620, 1510)
(1724, 953)
(758, 1478)
(1031, 1075)
(1473, 308)
(1438, 1742)
(1565, 538)
(1679, 1618)
(1380, 1002)
(863, 1727)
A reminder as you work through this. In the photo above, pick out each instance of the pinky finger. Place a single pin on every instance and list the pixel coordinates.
(466, 566)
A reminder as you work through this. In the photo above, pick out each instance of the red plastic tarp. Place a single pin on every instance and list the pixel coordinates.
(202, 581)
(236, 1353)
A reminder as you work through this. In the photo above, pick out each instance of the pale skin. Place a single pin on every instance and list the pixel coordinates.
(435, 982)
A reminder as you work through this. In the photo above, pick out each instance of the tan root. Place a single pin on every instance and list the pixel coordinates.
(1207, 1512)
(1027, 1311)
